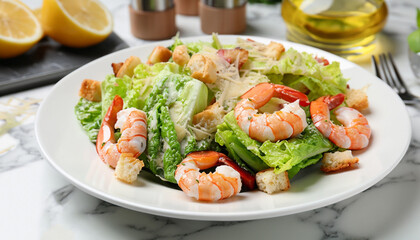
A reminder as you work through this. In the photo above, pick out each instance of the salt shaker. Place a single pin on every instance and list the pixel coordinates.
(187, 7)
(152, 19)
(223, 16)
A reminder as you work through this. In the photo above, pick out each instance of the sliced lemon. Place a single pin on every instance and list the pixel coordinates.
(37, 13)
(76, 23)
(19, 28)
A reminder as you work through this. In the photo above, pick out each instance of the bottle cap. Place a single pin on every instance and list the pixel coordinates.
(224, 3)
(152, 5)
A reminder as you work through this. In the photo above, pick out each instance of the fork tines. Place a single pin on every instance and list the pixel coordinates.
(386, 70)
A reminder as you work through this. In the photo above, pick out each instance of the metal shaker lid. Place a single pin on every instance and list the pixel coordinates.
(152, 5)
(224, 3)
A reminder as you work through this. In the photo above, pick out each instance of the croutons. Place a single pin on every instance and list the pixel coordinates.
(128, 67)
(203, 68)
(236, 56)
(159, 54)
(90, 90)
(274, 50)
(270, 182)
(128, 167)
(338, 160)
(357, 99)
(116, 67)
(180, 55)
(210, 117)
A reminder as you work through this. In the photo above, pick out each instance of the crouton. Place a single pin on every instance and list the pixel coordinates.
(210, 117)
(90, 90)
(274, 50)
(128, 167)
(270, 182)
(159, 54)
(203, 68)
(338, 160)
(357, 99)
(180, 55)
(128, 67)
(116, 67)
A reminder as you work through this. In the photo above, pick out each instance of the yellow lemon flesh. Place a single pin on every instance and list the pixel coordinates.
(37, 13)
(76, 23)
(19, 28)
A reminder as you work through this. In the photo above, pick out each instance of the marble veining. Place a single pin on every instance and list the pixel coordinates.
(26, 152)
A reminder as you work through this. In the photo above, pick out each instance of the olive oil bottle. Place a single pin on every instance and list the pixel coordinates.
(343, 27)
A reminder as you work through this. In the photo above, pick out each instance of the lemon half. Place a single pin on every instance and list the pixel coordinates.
(76, 23)
(19, 28)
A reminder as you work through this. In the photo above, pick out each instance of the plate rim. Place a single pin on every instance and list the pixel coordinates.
(216, 216)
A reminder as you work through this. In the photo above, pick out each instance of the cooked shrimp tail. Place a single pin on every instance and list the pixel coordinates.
(277, 90)
(291, 95)
(131, 122)
(285, 123)
(225, 182)
(106, 132)
(355, 132)
(334, 101)
(247, 178)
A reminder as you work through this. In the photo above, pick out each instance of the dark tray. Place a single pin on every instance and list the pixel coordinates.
(48, 61)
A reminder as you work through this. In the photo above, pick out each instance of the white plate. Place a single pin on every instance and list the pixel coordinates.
(69, 150)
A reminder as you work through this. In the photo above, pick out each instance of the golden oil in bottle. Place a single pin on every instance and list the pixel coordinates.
(343, 27)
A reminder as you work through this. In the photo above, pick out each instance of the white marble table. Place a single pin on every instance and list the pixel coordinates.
(36, 202)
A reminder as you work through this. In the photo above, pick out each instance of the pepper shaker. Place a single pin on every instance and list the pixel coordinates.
(187, 7)
(223, 16)
(152, 19)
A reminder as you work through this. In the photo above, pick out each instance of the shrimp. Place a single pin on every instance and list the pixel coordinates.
(131, 122)
(285, 123)
(225, 182)
(355, 132)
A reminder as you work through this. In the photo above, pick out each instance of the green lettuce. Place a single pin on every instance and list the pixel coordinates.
(198, 46)
(171, 103)
(301, 71)
(414, 37)
(172, 148)
(112, 86)
(187, 105)
(89, 115)
(281, 155)
(134, 91)
(305, 163)
(145, 78)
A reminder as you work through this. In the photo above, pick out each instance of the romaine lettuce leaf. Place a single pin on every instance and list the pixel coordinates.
(89, 115)
(197, 46)
(282, 155)
(170, 106)
(145, 78)
(305, 163)
(172, 149)
(134, 91)
(237, 151)
(191, 100)
(301, 71)
(112, 86)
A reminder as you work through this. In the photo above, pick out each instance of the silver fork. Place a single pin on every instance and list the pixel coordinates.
(388, 72)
